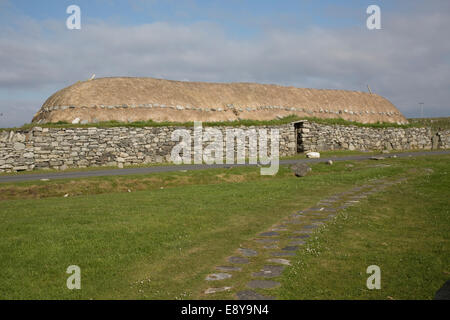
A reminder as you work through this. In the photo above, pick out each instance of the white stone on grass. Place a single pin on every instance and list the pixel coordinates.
(313, 155)
(218, 276)
(214, 290)
(280, 261)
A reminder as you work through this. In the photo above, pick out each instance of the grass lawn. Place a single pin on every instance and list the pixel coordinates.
(160, 240)
(107, 184)
(406, 232)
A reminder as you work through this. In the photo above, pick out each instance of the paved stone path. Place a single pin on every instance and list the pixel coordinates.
(278, 245)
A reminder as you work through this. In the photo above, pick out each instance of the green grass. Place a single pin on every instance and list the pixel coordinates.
(37, 189)
(161, 243)
(342, 122)
(436, 124)
(150, 123)
(235, 123)
(344, 153)
(406, 233)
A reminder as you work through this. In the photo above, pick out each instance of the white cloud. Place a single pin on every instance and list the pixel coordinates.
(407, 62)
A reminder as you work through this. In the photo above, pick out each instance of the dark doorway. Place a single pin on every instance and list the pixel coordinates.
(298, 135)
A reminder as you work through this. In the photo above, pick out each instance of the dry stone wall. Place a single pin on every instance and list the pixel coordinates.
(442, 139)
(61, 148)
(320, 137)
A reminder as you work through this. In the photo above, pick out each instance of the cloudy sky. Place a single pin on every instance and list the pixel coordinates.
(309, 43)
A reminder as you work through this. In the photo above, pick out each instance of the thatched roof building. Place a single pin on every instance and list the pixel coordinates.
(137, 99)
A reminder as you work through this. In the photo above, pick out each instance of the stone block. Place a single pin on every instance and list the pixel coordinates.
(19, 146)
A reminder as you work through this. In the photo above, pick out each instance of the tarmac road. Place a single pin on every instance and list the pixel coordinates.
(146, 170)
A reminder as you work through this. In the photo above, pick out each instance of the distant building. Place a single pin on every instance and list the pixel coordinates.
(141, 99)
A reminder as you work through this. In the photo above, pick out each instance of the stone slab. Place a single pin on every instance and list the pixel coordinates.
(266, 240)
(297, 243)
(228, 268)
(282, 254)
(303, 231)
(302, 236)
(263, 284)
(238, 260)
(280, 261)
(217, 276)
(271, 246)
(215, 290)
(291, 248)
(252, 295)
(294, 222)
(279, 229)
(269, 234)
(247, 252)
(269, 271)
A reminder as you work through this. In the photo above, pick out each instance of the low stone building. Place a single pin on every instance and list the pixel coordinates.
(143, 99)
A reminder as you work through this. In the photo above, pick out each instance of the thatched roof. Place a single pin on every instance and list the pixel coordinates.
(132, 99)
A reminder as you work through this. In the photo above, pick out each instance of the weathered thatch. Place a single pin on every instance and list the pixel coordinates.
(136, 99)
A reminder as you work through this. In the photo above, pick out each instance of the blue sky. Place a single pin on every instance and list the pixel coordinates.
(226, 12)
(239, 18)
(310, 43)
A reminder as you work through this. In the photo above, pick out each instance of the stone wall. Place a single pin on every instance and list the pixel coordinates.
(443, 139)
(320, 137)
(61, 148)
